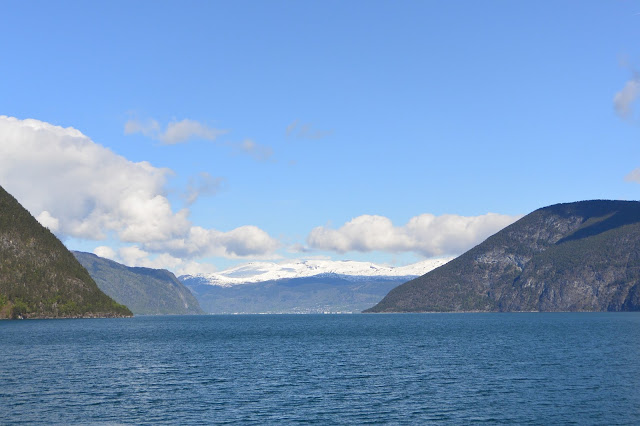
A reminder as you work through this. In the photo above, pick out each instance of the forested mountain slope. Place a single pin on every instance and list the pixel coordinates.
(39, 277)
(145, 291)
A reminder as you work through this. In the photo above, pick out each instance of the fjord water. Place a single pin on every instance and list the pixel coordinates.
(407, 368)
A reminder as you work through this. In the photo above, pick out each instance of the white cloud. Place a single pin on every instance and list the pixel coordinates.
(176, 131)
(202, 185)
(87, 188)
(624, 99)
(149, 128)
(106, 252)
(306, 131)
(81, 189)
(135, 256)
(245, 241)
(259, 152)
(193, 268)
(48, 221)
(633, 176)
(426, 234)
(182, 131)
(132, 255)
(185, 130)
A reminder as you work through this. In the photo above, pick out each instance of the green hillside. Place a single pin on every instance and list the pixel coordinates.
(145, 291)
(582, 256)
(39, 277)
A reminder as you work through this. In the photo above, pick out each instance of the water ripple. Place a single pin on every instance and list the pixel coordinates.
(315, 369)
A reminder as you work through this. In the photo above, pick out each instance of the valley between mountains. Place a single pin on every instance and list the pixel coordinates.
(582, 256)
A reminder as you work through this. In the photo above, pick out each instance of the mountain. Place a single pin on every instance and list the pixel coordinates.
(582, 256)
(39, 277)
(145, 291)
(256, 272)
(312, 286)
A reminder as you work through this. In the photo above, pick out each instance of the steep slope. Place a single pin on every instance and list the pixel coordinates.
(582, 256)
(145, 291)
(39, 277)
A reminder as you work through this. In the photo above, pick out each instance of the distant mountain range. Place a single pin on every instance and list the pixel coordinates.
(145, 291)
(582, 256)
(39, 277)
(311, 286)
(269, 271)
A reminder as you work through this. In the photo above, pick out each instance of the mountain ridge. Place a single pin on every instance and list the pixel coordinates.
(581, 256)
(146, 291)
(255, 272)
(299, 286)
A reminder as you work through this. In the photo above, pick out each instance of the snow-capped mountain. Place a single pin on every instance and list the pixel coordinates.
(256, 272)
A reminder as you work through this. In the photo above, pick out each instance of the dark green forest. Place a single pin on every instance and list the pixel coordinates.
(39, 277)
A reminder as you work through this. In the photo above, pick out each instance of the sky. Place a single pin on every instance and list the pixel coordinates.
(197, 135)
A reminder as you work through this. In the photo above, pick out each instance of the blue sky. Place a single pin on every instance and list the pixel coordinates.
(244, 130)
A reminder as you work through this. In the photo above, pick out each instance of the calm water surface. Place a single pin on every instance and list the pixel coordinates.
(581, 368)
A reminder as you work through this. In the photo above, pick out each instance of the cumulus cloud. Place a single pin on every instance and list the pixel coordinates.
(132, 255)
(135, 256)
(176, 131)
(80, 189)
(426, 234)
(106, 252)
(624, 99)
(61, 174)
(244, 241)
(48, 221)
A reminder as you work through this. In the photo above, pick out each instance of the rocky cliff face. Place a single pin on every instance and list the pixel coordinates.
(582, 256)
